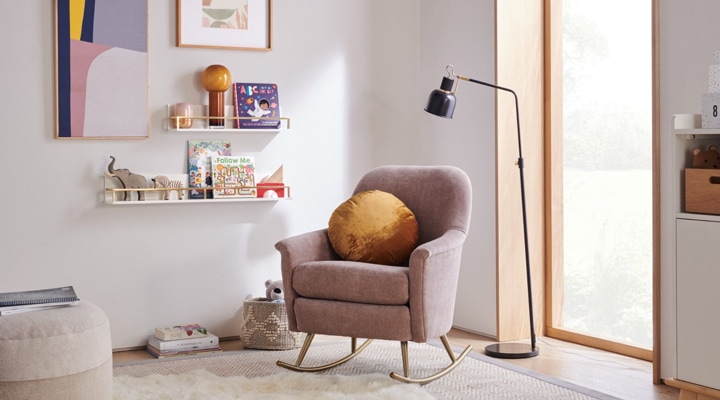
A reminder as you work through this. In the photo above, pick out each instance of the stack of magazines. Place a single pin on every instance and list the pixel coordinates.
(34, 300)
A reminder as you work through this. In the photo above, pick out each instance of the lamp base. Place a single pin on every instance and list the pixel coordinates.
(511, 350)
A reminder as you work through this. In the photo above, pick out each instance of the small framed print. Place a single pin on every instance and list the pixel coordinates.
(225, 24)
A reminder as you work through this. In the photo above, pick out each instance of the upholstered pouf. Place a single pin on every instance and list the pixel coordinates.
(57, 353)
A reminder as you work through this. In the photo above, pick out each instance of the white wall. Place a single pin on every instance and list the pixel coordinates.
(349, 78)
(462, 33)
(151, 265)
(689, 35)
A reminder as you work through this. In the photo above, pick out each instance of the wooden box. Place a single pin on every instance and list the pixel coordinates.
(702, 190)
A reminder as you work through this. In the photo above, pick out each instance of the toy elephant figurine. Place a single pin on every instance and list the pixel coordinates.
(128, 180)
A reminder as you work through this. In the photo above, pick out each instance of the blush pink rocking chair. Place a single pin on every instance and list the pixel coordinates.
(362, 300)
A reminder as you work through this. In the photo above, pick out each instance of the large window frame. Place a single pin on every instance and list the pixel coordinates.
(554, 193)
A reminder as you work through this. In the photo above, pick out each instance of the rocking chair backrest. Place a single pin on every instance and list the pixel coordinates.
(439, 196)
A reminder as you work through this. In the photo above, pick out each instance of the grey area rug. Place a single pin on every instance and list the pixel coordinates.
(477, 377)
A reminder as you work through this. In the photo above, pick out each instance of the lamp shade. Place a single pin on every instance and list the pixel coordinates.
(441, 102)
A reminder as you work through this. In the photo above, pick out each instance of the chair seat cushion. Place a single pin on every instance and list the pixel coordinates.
(375, 227)
(352, 281)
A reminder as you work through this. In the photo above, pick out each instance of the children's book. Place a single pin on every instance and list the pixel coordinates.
(200, 154)
(258, 103)
(233, 176)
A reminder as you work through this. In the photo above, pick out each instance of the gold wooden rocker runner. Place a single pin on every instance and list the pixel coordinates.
(354, 351)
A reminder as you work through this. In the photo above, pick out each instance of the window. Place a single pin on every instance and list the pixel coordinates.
(602, 254)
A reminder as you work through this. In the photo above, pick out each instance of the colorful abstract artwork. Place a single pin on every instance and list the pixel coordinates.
(225, 24)
(101, 69)
(225, 14)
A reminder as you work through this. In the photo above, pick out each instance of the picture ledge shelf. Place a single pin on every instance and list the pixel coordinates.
(200, 121)
(114, 194)
(197, 201)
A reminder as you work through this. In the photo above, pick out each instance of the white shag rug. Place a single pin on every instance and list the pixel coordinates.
(201, 384)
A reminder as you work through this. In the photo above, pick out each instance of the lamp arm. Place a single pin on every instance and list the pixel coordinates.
(517, 110)
(521, 165)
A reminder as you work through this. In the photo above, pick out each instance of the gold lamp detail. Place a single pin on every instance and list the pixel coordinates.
(216, 79)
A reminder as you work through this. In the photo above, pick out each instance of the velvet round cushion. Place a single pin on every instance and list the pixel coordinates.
(374, 227)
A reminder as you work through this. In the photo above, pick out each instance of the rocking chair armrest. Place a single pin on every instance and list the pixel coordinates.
(437, 262)
(296, 250)
(449, 241)
(434, 273)
(310, 246)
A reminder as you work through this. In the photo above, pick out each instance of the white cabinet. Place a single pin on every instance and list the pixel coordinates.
(698, 301)
(697, 270)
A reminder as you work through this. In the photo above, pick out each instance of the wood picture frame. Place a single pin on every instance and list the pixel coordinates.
(231, 24)
(101, 69)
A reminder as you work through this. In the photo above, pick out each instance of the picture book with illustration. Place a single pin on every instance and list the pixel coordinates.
(200, 153)
(255, 103)
(233, 176)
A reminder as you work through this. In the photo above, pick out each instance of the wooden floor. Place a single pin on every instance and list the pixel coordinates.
(620, 376)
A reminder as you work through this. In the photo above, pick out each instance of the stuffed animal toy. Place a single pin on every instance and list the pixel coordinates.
(274, 291)
(709, 158)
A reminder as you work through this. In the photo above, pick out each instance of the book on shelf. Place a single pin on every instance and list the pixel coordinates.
(208, 341)
(199, 159)
(65, 294)
(171, 353)
(233, 176)
(257, 105)
(181, 332)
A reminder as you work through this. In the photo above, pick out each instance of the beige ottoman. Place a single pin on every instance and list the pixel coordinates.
(60, 353)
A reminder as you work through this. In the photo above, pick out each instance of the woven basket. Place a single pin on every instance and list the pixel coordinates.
(265, 326)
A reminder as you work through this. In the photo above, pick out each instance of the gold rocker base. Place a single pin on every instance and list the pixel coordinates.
(354, 350)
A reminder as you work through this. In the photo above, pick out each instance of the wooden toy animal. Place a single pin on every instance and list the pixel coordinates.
(162, 181)
(128, 180)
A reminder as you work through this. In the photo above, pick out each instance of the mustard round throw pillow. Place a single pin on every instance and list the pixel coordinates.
(374, 227)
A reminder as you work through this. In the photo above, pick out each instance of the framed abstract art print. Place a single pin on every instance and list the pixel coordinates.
(101, 69)
(225, 24)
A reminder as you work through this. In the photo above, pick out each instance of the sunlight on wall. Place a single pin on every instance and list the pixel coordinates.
(324, 96)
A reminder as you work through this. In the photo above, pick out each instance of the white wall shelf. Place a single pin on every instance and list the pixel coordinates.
(697, 133)
(114, 194)
(200, 121)
(196, 201)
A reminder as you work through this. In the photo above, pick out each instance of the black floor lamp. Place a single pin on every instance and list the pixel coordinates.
(441, 102)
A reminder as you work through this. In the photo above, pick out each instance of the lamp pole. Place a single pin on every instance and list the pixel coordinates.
(441, 102)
